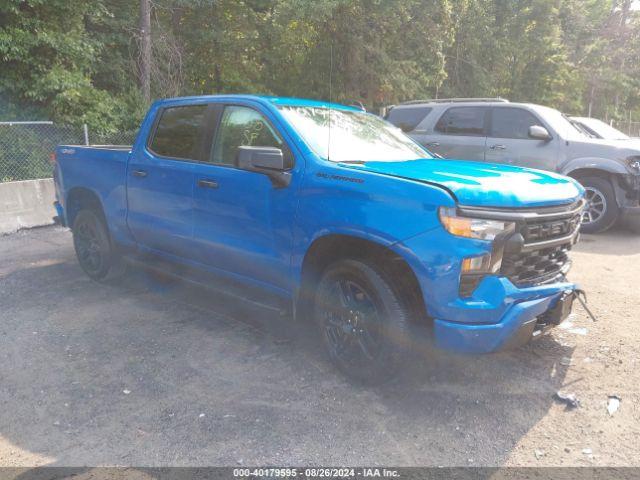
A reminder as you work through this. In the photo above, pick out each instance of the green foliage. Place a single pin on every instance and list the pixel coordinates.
(51, 58)
(77, 62)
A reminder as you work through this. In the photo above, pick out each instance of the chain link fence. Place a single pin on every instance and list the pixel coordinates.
(26, 147)
(630, 128)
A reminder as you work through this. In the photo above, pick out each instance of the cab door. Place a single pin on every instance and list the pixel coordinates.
(509, 141)
(242, 221)
(160, 181)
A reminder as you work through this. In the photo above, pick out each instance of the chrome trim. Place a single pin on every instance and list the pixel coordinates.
(547, 279)
(515, 214)
(572, 238)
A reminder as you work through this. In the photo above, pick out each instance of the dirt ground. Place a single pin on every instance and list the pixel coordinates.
(150, 374)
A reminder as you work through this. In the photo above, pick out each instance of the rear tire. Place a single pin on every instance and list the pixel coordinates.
(601, 211)
(363, 322)
(93, 247)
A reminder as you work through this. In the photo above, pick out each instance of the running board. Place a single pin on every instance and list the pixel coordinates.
(235, 289)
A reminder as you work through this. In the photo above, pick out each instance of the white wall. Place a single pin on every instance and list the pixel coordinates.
(26, 204)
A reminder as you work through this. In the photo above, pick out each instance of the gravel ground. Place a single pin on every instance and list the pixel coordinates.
(150, 374)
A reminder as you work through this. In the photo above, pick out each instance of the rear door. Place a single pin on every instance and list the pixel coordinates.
(160, 180)
(460, 133)
(509, 141)
(242, 221)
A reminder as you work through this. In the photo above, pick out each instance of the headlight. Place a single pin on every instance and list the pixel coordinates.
(634, 162)
(468, 227)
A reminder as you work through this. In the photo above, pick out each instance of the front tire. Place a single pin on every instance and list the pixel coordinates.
(601, 211)
(94, 250)
(364, 323)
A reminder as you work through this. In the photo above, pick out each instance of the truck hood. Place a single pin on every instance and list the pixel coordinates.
(484, 184)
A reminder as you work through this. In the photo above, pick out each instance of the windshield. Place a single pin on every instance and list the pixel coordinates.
(353, 137)
(602, 130)
(561, 124)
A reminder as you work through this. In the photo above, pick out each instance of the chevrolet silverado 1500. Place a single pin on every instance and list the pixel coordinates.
(333, 214)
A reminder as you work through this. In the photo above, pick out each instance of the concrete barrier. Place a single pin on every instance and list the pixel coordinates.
(26, 204)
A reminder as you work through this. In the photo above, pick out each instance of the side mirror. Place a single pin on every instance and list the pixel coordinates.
(539, 133)
(266, 160)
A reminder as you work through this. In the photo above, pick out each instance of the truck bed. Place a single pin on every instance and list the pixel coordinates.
(100, 169)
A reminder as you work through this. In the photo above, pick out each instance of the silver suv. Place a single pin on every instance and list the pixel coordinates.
(497, 131)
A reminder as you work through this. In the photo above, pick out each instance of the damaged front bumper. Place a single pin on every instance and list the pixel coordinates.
(628, 195)
(531, 312)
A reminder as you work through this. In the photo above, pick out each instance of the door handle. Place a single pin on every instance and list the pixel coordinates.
(207, 183)
(139, 173)
(433, 144)
(498, 147)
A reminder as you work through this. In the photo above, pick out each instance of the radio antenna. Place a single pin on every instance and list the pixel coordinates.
(330, 98)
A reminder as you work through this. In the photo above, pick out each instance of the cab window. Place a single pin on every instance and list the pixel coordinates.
(243, 126)
(178, 133)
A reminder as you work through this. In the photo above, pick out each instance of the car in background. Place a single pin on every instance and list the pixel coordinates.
(598, 129)
(494, 130)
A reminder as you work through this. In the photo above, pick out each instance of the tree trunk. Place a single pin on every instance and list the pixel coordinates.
(145, 49)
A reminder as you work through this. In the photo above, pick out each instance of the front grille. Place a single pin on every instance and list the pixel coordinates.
(541, 230)
(548, 238)
(537, 252)
(537, 266)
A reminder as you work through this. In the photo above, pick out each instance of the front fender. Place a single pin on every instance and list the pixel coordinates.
(378, 208)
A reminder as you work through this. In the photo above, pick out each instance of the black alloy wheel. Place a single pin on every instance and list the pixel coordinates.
(363, 321)
(93, 247)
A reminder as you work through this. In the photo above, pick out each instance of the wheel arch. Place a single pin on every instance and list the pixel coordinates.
(598, 166)
(79, 198)
(331, 247)
(579, 173)
(615, 178)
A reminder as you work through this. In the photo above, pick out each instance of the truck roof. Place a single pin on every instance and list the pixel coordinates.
(289, 101)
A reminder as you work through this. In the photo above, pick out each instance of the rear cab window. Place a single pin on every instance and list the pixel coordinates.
(407, 118)
(465, 121)
(178, 132)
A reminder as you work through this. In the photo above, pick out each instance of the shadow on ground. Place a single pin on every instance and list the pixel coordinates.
(146, 373)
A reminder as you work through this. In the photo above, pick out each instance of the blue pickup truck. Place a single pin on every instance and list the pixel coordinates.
(332, 214)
